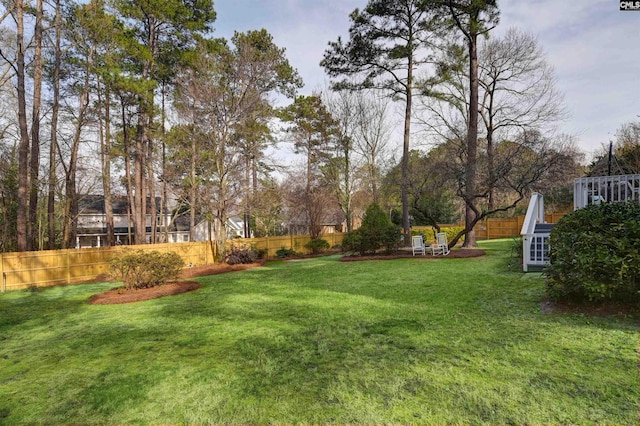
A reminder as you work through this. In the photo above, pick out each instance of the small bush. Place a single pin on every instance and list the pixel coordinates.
(261, 253)
(351, 241)
(430, 235)
(377, 231)
(142, 269)
(317, 245)
(239, 256)
(283, 252)
(595, 254)
(451, 232)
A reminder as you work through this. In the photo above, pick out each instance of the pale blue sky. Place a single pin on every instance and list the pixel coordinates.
(593, 46)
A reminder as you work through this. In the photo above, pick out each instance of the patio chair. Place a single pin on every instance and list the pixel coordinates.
(417, 244)
(441, 246)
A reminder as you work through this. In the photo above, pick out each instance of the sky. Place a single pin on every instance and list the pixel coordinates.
(592, 45)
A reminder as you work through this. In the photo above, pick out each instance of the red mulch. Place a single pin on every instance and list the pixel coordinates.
(405, 254)
(217, 268)
(119, 295)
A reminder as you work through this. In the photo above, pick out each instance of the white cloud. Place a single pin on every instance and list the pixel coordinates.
(592, 46)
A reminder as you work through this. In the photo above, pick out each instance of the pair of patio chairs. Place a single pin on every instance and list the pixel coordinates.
(440, 247)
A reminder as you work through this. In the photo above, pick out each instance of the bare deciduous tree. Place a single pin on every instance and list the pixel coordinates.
(518, 91)
(220, 98)
(372, 137)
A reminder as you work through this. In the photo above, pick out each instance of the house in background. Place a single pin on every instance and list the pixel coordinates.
(92, 224)
(204, 229)
(92, 227)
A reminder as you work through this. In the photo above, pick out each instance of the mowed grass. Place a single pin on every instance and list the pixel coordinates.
(319, 341)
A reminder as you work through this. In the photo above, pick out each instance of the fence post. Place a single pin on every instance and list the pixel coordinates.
(68, 266)
(4, 276)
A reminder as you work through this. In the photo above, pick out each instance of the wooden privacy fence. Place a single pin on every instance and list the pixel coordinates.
(295, 242)
(494, 228)
(498, 227)
(73, 266)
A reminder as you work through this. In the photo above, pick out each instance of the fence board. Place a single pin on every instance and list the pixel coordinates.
(295, 242)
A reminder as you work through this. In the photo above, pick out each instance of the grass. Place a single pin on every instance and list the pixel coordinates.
(320, 341)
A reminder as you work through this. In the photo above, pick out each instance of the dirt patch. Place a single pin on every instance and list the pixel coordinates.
(119, 295)
(599, 309)
(404, 254)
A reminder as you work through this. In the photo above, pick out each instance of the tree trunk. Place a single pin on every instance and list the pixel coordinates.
(105, 161)
(55, 110)
(34, 161)
(153, 205)
(131, 205)
(23, 146)
(193, 193)
(373, 175)
(490, 151)
(139, 201)
(347, 190)
(71, 204)
(247, 196)
(472, 146)
(141, 160)
(164, 197)
(406, 225)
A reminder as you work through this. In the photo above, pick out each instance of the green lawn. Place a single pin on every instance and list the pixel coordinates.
(319, 341)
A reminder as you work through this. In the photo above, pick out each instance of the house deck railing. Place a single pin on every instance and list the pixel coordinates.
(605, 189)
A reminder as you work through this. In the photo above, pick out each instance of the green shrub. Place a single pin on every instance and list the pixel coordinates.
(239, 256)
(595, 254)
(317, 245)
(430, 235)
(351, 241)
(261, 253)
(377, 231)
(451, 232)
(142, 269)
(390, 238)
(283, 252)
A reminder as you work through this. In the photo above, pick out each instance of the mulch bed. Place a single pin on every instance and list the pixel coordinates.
(119, 295)
(595, 309)
(405, 254)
